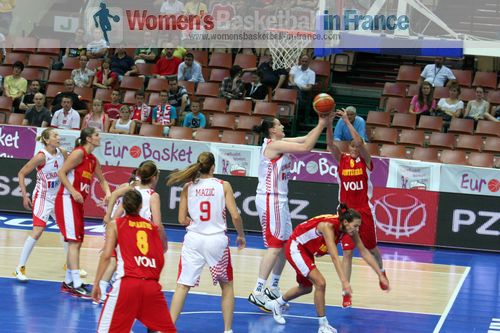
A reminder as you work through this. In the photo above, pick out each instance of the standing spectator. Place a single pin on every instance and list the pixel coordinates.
(141, 112)
(122, 64)
(437, 74)
(69, 91)
(82, 76)
(147, 53)
(423, 103)
(342, 132)
(167, 65)
(273, 78)
(112, 109)
(174, 7)
(255, 90)
(97, 118)
(196, 7)
(27, 100)
(195, 119)
(164, 114)
(67, 117)
(124, 124)
(232, 87)
(190, 70)
(37, 115)
(478, 109)
(76, 47)
(303, 79)
(105, 77)
(178, 97)
(15, 86)
(451, 107)
(98, 47)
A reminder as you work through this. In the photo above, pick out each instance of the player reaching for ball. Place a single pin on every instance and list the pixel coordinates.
(272, 200)
(317, 237)
(356, 191)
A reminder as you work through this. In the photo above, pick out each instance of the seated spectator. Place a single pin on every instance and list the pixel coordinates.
(178, 97)
(98, 47)
(122, 64)
(479, 108)
(148, 52)
(255, 90)
(37, 115)
(15, 86)
(437, 74)
(196, 7)
(164, 114)
(28, 99)
(190, 70)
(423, 103)
(175, 40)
(97, 118)
(76, 47)
(67, 117)
(303, 79)
(232, 87)
(124, 124)
(451, 107)
(69, 91)
(167, 65)
(105, 78)
(141, 113)
(112, 109)
(274, 78)
(82, 76)
(342, 133)
(195, 119)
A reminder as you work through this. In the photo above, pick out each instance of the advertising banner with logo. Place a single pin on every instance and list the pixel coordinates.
(236, 160)
(321, 167)
(469, 221)
(17, 141)
(470, 180)
(413, 175)
(10, 193)
(405, 216)
(67, 138)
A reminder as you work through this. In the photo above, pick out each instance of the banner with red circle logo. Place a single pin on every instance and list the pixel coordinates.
(405, 216)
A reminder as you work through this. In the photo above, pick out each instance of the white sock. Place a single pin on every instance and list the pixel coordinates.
(77, 281)
(103, 285)
(29, 244)
(230, 331)
(280, 300)
(323, 321)
(275, 280)
(69, 278)
(259, 286)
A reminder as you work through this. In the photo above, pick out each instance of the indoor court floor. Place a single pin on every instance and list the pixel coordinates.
(432, 290)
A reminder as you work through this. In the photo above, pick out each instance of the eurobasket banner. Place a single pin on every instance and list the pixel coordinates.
(408, 174)
(17, 141)
(470, 180)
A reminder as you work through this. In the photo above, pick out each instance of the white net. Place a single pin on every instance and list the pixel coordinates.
(287, 49)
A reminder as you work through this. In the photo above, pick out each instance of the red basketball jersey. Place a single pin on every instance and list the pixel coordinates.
(310, 239)
(81, 176)
(354, 179)
(139, 251)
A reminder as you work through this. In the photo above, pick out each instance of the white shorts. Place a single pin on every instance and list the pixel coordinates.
(43, 208)
(198, 250)
(275, 219)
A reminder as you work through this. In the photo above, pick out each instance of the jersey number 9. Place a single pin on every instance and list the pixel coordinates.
(205, 210)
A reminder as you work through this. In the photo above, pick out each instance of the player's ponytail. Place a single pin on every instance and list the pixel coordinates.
(45, 135)
(146, 172)
(84, 134)
(131, 202)
(264, 127)
(346, 213)
(203, 166)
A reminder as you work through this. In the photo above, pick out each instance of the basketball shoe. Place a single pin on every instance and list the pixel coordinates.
(259, 300)
(382, 285)
(20, 274)
(277, 311)
(346, 301)
(66, 287)
(84, 291)
(272, 293)
(326, 329)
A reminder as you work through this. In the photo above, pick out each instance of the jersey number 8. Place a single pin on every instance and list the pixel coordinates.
(142, 242)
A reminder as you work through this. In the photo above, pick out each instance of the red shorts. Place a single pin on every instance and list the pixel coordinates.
(366, 231)
(132, 299)
(69, 218)
(301, 261)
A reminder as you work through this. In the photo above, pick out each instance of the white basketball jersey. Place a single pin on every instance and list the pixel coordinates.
(207, 206)
(273, 174)
(47, 179)
(146, 194)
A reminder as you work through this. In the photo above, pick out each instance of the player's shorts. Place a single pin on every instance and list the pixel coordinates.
(131, 299)
(69, 218)
(367, 231)
(275, 219)
(43, 209)
(301, 261)
(199, 250)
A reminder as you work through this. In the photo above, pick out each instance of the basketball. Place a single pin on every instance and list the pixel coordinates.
(323, 103)
(494, 185)
(116, 18)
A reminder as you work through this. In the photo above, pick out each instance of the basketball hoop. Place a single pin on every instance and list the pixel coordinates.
(287, 49)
